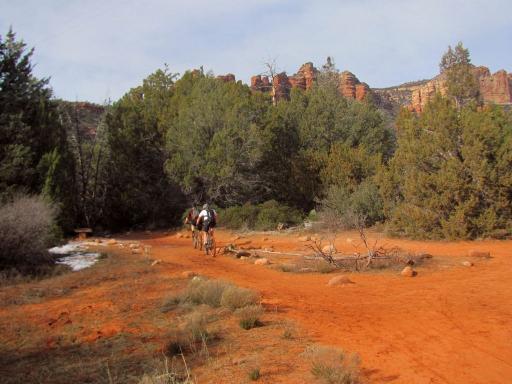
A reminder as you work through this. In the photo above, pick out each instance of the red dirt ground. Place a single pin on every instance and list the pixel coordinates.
(451, 324)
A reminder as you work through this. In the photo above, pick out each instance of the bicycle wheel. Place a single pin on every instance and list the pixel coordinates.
(195, 239)
(207, 245)
(213, 247)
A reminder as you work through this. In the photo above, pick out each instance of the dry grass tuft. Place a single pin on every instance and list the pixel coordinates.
(333, 366)
(249, 316)
(234, 298)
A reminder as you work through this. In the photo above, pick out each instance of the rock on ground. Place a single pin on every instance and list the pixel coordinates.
(467, 263)
(112, 242)
(482, 254)
(262, 261)
(188, 274)
(340, 280)
(408, 272)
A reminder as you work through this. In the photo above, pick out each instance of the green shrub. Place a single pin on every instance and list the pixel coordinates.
(265, 216)
(254, 374)
(234, 298)
(27, 230)
(365, 202)
(249, 316)
(239, 217)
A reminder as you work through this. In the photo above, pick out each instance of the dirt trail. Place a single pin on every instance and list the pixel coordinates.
(450, 325)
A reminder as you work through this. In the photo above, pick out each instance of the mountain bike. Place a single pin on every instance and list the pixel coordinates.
(209, 247)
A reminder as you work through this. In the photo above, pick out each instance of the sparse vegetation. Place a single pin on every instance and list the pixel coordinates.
(249, 316)
(254, 374)
(333, 366)
(27, 230)
(234, 298)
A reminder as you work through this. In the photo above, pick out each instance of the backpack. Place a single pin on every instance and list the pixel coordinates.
(209, 218)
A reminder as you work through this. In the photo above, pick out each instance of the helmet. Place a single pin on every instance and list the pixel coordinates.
(205, 206)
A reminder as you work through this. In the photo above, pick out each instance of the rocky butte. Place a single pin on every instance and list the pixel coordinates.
(282, 84)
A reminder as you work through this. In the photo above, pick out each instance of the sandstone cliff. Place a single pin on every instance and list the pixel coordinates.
(494, 89)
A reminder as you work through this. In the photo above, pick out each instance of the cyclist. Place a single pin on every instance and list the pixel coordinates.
(191, 218)
(208, 219)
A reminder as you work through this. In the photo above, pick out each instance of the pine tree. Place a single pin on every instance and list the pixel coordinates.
(32, 141)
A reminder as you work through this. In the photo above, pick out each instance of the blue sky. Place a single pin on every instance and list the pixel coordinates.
(98, 49)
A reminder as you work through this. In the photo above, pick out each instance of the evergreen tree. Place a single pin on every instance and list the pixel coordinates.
(29, 127)
(448, 178)
(461, 82)
(138, 192)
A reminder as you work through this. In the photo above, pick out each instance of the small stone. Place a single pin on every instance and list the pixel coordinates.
(408, 272)
(243, 258)
(136, 251)
(481, 254)
(111, 242)
(155, 262)
(305, 238)
(238, 360)
(188, 274)
(340, 280)
(262, 261)
(133, 245)
(467, 263)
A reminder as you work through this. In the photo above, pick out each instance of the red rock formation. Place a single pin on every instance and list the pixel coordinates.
(351, 87)
(281, 87)
(229, 78)
(496, 88)
(260, 83)
(362, 90)
(422, 94)
(305, 77)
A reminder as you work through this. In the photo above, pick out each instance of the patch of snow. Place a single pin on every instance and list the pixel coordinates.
(67, 249)
(79, 260)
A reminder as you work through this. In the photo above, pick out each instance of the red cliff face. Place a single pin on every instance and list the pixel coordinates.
(229, 78)
(351, 87)
(494, 89)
